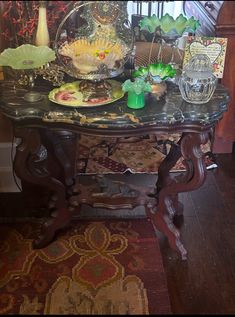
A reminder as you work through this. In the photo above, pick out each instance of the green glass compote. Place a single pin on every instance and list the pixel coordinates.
(27, 57)
(169, 29)
(156, 74)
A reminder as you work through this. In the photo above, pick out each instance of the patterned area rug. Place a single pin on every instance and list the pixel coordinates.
(136, 155)
(109, 267)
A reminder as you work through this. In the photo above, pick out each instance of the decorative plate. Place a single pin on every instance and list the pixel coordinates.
(69, 95)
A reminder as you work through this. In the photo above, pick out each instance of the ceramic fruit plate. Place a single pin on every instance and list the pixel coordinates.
(69, 95)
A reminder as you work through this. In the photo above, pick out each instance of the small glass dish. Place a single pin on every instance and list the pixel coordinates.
(197, 82)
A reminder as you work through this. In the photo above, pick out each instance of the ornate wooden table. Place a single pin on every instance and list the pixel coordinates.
(47, 132)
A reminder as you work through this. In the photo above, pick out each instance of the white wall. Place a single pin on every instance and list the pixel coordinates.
(174, 8)
(7, 181)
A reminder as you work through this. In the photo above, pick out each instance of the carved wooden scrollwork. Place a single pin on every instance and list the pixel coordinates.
(167, 194)
(30, 164)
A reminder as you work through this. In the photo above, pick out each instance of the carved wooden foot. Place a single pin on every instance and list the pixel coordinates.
(169, 188)
(59, 219)
(164, 176)
(30, 164)
(164, 224)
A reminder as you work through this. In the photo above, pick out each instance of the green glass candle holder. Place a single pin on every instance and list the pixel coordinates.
(135, 101)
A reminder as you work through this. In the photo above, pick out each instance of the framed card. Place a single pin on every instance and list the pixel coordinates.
(213, 47)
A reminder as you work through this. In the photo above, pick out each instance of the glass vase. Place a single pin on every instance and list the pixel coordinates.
(135, 101)
(198, 83)
(42, 33)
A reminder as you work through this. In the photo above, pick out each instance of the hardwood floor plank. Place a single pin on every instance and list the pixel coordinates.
(205, 283)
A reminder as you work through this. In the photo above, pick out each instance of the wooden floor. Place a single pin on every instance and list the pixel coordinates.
(205, 283)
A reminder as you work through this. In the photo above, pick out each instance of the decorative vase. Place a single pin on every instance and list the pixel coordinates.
(135, 101)
(42, 34)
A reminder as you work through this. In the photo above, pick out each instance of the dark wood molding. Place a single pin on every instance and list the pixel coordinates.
(218, 19)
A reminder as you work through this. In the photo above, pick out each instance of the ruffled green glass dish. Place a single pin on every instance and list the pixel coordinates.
(169, 29)
(155, 72)
(28, 57)
(168, 25)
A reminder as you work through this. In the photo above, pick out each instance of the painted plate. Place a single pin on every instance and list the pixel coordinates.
(69, 95)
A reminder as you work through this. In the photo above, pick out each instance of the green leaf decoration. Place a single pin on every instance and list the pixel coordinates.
(27, 56)
(138, 86)
(168, 25)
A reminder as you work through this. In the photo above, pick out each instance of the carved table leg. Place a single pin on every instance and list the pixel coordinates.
(195, 176)
(64, 147)
(30, 164)
(164, 176)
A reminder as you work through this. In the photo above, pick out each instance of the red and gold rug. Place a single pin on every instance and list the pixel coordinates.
(136, 155)
(94, 267)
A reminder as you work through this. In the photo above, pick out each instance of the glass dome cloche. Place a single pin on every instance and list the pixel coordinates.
(94, 41)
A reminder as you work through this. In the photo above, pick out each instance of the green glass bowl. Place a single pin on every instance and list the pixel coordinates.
(27, 56)
(168, 25)
(163, 71)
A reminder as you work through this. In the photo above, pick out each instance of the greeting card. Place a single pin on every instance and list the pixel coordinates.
(213, 47)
